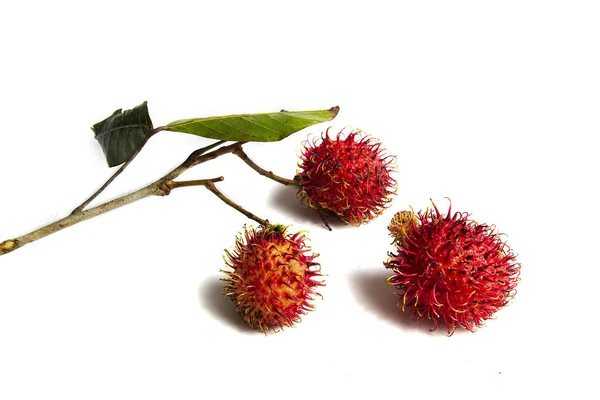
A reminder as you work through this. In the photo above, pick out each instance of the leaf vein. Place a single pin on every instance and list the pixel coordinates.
(261, 126)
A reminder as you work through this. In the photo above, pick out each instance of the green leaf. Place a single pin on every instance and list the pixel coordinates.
(122, 134)
(269, 127)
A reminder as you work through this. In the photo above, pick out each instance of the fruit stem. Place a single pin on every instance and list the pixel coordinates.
(211, 187)
(323, 218)
(269, 174)
(209, 184)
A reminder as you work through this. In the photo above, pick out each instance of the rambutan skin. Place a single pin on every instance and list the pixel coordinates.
(349, 177)
(450, 268)
(271, 277)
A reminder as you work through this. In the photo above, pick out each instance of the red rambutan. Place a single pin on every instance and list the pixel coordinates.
(272, 277)
(350, 177)
(450, 268)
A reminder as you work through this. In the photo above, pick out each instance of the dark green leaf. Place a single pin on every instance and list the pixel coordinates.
(269, 127)
(121, 134)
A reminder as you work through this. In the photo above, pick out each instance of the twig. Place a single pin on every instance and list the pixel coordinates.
(160, 187)
(111, 179)
(323, 216)
(269, 174)
(200, 182)
(13, 244)
(211, 186)
(83, 205)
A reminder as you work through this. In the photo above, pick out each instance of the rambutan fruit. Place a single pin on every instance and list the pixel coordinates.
(348, 177)
(272, 277)
(451, 268)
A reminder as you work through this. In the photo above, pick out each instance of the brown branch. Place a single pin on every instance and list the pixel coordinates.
(211, 186)
(13, 244)
(160, 187)
(201, 182)
(323, 216)
(198, 157)
(269, 174)
(83, 205)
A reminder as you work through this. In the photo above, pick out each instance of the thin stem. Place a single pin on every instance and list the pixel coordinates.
(200, 182)
(198, 157)
(13, 244)
(211, 186)
(323, 216)
(157, 129)
(83, 205)
(160, 187)
(269, 174)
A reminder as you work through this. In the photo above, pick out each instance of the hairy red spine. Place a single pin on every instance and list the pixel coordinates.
(450, 268)
(272, 277)
(349, 177)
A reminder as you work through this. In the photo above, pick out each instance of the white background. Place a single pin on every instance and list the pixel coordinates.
(492, 104)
